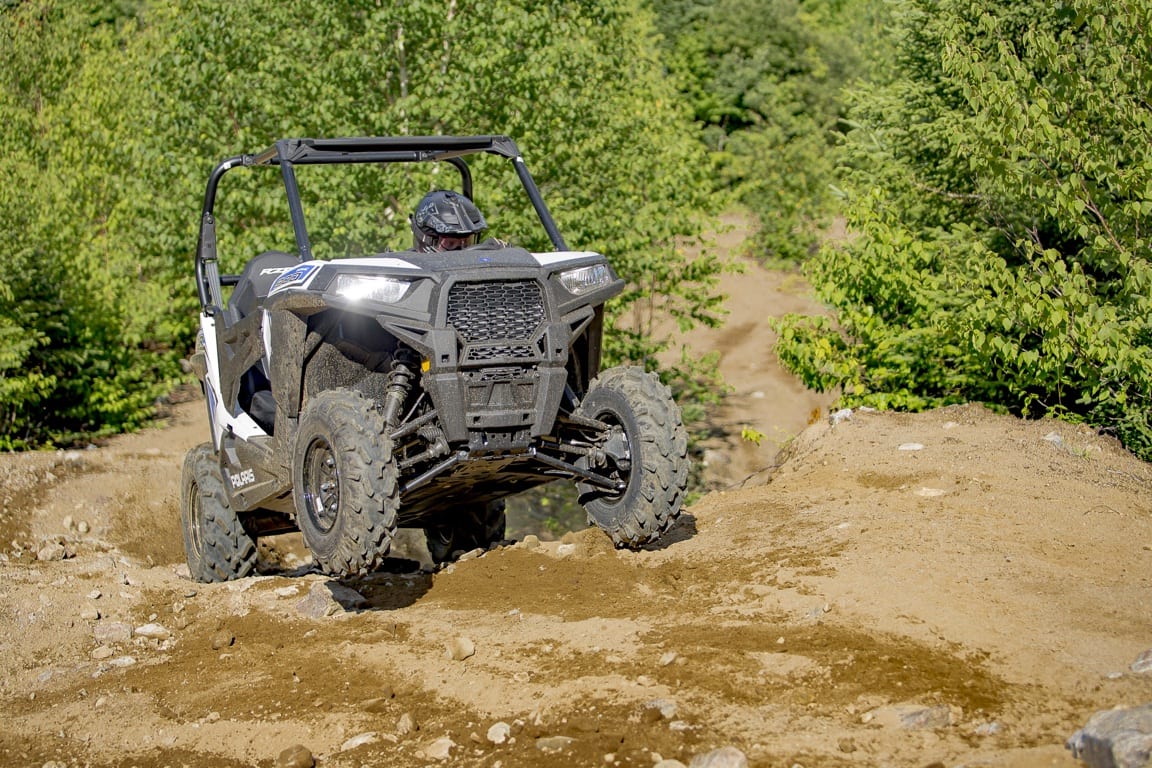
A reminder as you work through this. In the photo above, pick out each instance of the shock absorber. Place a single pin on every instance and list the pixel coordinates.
(437, 446)
(404, 364)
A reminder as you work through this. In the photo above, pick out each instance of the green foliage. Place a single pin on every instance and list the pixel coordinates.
(754, 436)
(890, 345)
(112, 114)
(73, 287)
(1002, 181)
(764, 80)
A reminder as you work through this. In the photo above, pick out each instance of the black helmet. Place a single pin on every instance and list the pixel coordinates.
(446, 221)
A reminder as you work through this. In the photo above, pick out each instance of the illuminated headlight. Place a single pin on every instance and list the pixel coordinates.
(387, 290)
(584, 279)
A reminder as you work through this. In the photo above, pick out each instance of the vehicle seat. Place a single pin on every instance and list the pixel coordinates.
(255, 282)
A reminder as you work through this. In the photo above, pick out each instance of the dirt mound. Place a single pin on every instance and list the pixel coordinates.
(954, 587)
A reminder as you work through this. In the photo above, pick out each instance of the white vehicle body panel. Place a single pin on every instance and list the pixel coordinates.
(242, 426)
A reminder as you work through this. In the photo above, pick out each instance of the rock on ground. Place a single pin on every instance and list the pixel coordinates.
(329, 597)
(1121, 738)
(725, 757)
(296, 756)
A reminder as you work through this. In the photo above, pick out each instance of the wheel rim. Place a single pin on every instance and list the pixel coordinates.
(321, 486)
(196, 522)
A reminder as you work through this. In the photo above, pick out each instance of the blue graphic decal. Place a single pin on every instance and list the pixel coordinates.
(294, 277)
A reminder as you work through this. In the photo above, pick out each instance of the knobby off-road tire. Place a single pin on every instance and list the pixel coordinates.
(474, 526)
(344, 483)
(637, 403)
(215, 543)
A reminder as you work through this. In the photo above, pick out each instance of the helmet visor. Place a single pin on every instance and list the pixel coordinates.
(454, 242)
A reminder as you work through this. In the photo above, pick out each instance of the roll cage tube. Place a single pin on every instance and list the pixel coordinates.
(207, 272)
(397, 149)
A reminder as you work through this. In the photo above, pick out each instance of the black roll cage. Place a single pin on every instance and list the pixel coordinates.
(287, 153)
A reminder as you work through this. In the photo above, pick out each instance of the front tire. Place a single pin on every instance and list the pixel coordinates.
(478, 526)
(651, 460)
(216, 545)
(345, 483)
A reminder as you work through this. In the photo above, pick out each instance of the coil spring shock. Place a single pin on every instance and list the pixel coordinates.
(404, 366)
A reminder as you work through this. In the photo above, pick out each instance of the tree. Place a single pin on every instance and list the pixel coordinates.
(1001, 184)
(129, 107)
(764, 78)
(66, 367)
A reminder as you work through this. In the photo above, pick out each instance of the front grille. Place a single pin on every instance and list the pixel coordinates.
(496, 310)
(489, 375)
(500, 352)
(500, 389)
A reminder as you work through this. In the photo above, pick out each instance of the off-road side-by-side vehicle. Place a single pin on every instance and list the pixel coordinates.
(348, 397)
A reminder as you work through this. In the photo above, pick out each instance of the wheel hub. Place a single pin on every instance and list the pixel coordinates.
(617, 450)
(614, 456)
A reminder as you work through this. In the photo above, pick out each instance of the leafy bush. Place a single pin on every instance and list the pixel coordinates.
(79, 355)
(1001, 185)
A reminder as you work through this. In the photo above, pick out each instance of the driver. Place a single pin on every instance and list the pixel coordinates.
(446, 221)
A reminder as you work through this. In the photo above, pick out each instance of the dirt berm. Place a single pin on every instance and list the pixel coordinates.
(950, 588)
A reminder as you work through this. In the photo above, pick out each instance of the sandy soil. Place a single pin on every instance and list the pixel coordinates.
(949, 588)
(761, 396)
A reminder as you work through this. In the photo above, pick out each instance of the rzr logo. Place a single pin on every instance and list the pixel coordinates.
(276, 270)
(242, 478)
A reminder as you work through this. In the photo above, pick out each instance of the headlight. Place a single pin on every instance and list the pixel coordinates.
(584, 279)
(387, 290)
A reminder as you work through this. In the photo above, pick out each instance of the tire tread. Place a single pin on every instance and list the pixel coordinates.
(663, 449)
(229, 551)
(370, 498)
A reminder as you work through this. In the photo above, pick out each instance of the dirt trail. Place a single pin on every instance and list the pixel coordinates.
(762, 396)
(948, 588)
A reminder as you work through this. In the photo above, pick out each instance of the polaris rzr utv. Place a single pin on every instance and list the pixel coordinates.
(351, 396)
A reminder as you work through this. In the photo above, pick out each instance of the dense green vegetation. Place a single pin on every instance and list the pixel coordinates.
(1000, 178)
(992, 160)
(764, 79)
(113, 113)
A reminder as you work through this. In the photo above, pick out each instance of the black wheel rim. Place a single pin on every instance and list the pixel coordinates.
(321, 486)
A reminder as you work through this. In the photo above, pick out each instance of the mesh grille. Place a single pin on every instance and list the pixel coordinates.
(486, 311)
(500, 351)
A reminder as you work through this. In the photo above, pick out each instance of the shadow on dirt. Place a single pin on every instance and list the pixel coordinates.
(409, 574)
(683, 530)
(397, 583)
